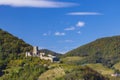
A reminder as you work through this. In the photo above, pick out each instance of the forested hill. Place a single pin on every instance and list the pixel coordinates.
(12, 44)
(11, 48)
(106, 46)
(102, 50)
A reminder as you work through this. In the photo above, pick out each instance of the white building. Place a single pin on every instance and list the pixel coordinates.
(36, 53)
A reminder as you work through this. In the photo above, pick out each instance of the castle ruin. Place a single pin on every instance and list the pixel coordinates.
(37, 53)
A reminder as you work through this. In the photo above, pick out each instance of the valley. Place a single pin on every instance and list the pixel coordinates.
(98, 60)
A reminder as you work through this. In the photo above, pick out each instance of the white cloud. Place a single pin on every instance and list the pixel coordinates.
(84, 13)
(79, 32)
(69, 41)
(45, 34)
(69, 29)
(59, 33)
(80, 24)
(36, 3)
(66, 41)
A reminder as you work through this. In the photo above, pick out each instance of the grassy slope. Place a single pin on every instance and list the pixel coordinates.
(60, 70)
(72, 60)
(117, 66)
(101, 69)
(56, 70)
(52, 74)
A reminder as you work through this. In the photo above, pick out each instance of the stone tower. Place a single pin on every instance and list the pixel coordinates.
(35, 50)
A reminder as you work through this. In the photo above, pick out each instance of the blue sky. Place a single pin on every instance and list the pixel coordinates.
(60, 25)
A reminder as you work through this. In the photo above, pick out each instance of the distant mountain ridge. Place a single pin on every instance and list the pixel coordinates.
(105, 50)
(50, 52)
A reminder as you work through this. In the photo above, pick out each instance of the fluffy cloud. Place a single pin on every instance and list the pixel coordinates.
(80, 24)
(69, 29)
(84, 13)
(59, 33)
(36, 3)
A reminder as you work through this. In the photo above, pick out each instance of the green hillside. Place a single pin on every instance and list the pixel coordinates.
(10, 48)
(101, 69)
(13, 62)
(117, 66)
(12, 44)
(104, 50)
(71, 72)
